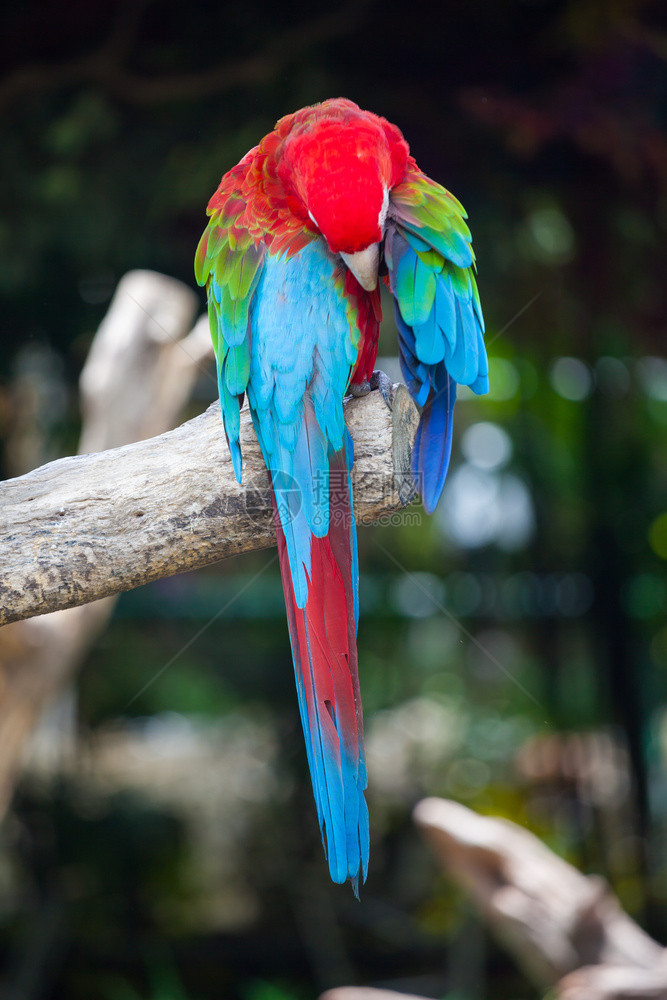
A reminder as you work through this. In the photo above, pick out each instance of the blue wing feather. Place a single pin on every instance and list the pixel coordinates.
(441, 337)
(433, 441)
(297, 455)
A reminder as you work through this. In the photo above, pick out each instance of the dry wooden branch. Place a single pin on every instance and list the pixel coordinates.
(85, 527)
(553, 918)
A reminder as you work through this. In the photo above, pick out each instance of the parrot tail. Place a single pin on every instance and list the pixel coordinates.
(323, 635)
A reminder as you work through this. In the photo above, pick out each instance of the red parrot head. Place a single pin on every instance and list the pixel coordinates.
(341, 168)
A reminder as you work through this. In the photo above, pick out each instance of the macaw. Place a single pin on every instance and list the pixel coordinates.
(299, 234)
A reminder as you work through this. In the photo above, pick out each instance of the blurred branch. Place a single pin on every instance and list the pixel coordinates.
(139, 372)
(566, 929)
(104, 66)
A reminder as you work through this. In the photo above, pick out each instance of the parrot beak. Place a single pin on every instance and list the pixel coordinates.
(364, 265)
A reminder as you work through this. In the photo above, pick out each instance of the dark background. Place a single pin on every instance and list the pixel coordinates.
(513, 647)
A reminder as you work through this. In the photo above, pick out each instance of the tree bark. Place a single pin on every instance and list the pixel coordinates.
(89, 526)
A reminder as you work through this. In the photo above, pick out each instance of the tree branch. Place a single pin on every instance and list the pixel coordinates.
(565, 928)
(140, 370)
(88, 526)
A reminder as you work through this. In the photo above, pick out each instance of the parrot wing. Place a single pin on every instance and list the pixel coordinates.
(430, 262)
(230, 261)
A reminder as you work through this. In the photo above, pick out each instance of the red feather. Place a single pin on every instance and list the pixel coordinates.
(324, 649)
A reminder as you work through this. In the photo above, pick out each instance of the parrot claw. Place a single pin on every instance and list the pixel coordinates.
(358, 389)
(380, 381)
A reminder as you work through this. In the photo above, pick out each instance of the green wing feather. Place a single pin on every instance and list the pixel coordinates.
(437, 277)
(434, 216)
(431, 264)
(229, 262)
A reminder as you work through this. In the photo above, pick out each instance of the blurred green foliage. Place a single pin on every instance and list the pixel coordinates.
(513, 647)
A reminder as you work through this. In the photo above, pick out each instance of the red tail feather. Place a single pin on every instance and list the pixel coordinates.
(323, 637)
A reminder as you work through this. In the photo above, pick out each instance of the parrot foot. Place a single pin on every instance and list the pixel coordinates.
(378, 380)
(358, 389)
